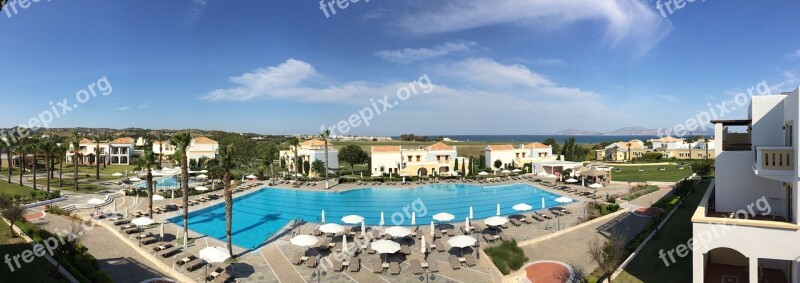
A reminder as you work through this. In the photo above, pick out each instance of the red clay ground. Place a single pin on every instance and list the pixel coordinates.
(547, 272)
(648, 211)
(35, 215)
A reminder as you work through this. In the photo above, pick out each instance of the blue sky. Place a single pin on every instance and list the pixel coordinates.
(497, 67)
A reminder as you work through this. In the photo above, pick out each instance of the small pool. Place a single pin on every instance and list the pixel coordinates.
(163, 182)
(259, 215)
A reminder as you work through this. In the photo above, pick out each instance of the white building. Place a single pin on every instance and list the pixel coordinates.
(746, 227)
(516, 157)
(116, 152)
(436, 159)
(198, 148)
(310, 151)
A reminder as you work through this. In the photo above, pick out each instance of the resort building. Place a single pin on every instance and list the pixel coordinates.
(199, 147)
(436, 159)
(622, 151)
(517, 157)
(116, 152)
(310, 151)
(746, 227)
(677, 148)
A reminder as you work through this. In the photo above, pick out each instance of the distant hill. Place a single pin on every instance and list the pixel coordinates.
(574, 132)
(633, 131)
(629, 131)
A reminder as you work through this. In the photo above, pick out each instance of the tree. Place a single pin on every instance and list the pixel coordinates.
(552, 143)
(608, 254)
(62, 150)
(294, 143)
(318, 166)
(630, 154)
(75, 140)
(482, 162)
(181, 142)
(22, 150)
(225, 156)
(690, 140)
(69, 246)
(48, 147)
(702, 168)
(464, 167)
(269, 152)
(705, 141)
(97, 139)
(498, 164)
(14, 213)
(455, 167)
(9, 148)
(353, 154)
(146, 162)
(325, 135)
(161, 138)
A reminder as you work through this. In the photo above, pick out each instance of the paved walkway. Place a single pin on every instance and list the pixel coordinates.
(119, 260)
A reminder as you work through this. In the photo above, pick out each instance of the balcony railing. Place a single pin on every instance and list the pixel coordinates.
(774, 158)
(706, 213)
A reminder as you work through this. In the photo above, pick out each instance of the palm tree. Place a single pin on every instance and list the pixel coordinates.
(181, 142)
(62, 150)
(9, 157)
(48, 146)
(161, 138)
(690, 140)
(145, 162)
(97, 139)
(630, 154)
(226, 163)
(294, 143)
(22, 150)
(75, 141)
(3, 146)
(325, 135)
(33, 148)
(705, 140)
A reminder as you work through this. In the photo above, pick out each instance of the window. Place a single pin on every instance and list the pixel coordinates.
(418, 158)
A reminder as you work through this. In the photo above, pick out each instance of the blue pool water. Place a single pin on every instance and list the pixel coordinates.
(259, 215)
(163, 182)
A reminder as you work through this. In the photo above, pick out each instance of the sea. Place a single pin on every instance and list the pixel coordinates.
(541, 138)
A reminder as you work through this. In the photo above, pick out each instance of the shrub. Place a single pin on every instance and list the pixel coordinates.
(507, 256)
(638, 193)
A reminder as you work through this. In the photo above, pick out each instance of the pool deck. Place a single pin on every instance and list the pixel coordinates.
(271, 262)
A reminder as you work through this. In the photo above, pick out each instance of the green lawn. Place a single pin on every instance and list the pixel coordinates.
(37, 271)
(648, 267)
(650, 173)
(110, 169)
(14, 189)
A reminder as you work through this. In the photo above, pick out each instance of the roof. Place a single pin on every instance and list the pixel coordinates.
(204, 140)
(537, 145)
(313, 142)
(667, 139)
(85, 140)
(125, 140)
(385, 148)
(500, 147)
(440, 146)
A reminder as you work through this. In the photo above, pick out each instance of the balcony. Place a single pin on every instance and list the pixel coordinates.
(774, 162)
(706, 213)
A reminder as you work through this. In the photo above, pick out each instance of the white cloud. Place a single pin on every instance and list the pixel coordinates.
(142, 106)
(123, 108)
(627, 22)
(795, 54)
(409, 55)
(790, 82)
(547, 62)
(670, 98)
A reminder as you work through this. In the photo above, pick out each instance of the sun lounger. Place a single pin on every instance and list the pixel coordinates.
(377, 267)
(311, 262)
(536, 217)
(488, 238)
(131, 231)
(557, 212)
(503, 236)
(120, 222)
(433, 265)
(148, 241)
(515, 221)
(437, 234)
(454, 264)
(470, 260)
(405, 249)
(337, 266)
(355, 264)
(416, 267)
(162, 247)
(222, 278)
(185, 260)
(394, 268)
(170, 252)
(439, 246)
(126, 227)
(194, 264)
(297, 259)
(544, 214)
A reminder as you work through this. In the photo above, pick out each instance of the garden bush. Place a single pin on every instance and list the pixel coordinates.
(507, 256)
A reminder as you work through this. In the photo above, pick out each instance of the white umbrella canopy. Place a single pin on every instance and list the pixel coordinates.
(344, 244)
(134, 179)
(505, 171)
(352, 219)
(201, 188)
(95, 201)
(483, 173)
(522, 207)
(381, 223)
(332, 228)
(397, 231)
(413, 218)
(443, 216)
(422, 244)
(542, 174)
(498, 209)
(142, 221)
(117, 174)
(157, 197)
(385, 247)
(564, 200)
(571, 180)
(322, 217)
(461, 241)
(551, 176)
(304, 240)
(214, 254)
(495, 221)
(470, 213)
(516, 170)
(202, 176)
(251, 176)
(595, 186)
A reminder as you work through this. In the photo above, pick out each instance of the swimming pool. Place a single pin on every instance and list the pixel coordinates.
(259, 215)
(163, 182)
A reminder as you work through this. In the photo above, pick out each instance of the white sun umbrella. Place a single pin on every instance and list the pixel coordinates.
(142, 221)
(422, 250)
(363, 228)
(95, 201)
(331, 228)
(304, 240)
(495, 221)
(470, 213)
(541, 173)
(522, 207)
(443, 217)
(251, 176)
(344, 244)
(505, 171)
(516, 170)
(322, 217)
(543, 206)
(202, 176)
(563, 200)
(161, 233)
(398, 232)
(157, 197)
(352, 219)
(117, 174)
(466, 224)
(461, 242)
(134, 179)
(498, 209)
(483, 173)
(214, 255)
(413, 218)
(377, 175)
(551, 176)
(385, 247)
(381, 223)
(201, 188)
(571, 180)
(432, 228)
(596, 186)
